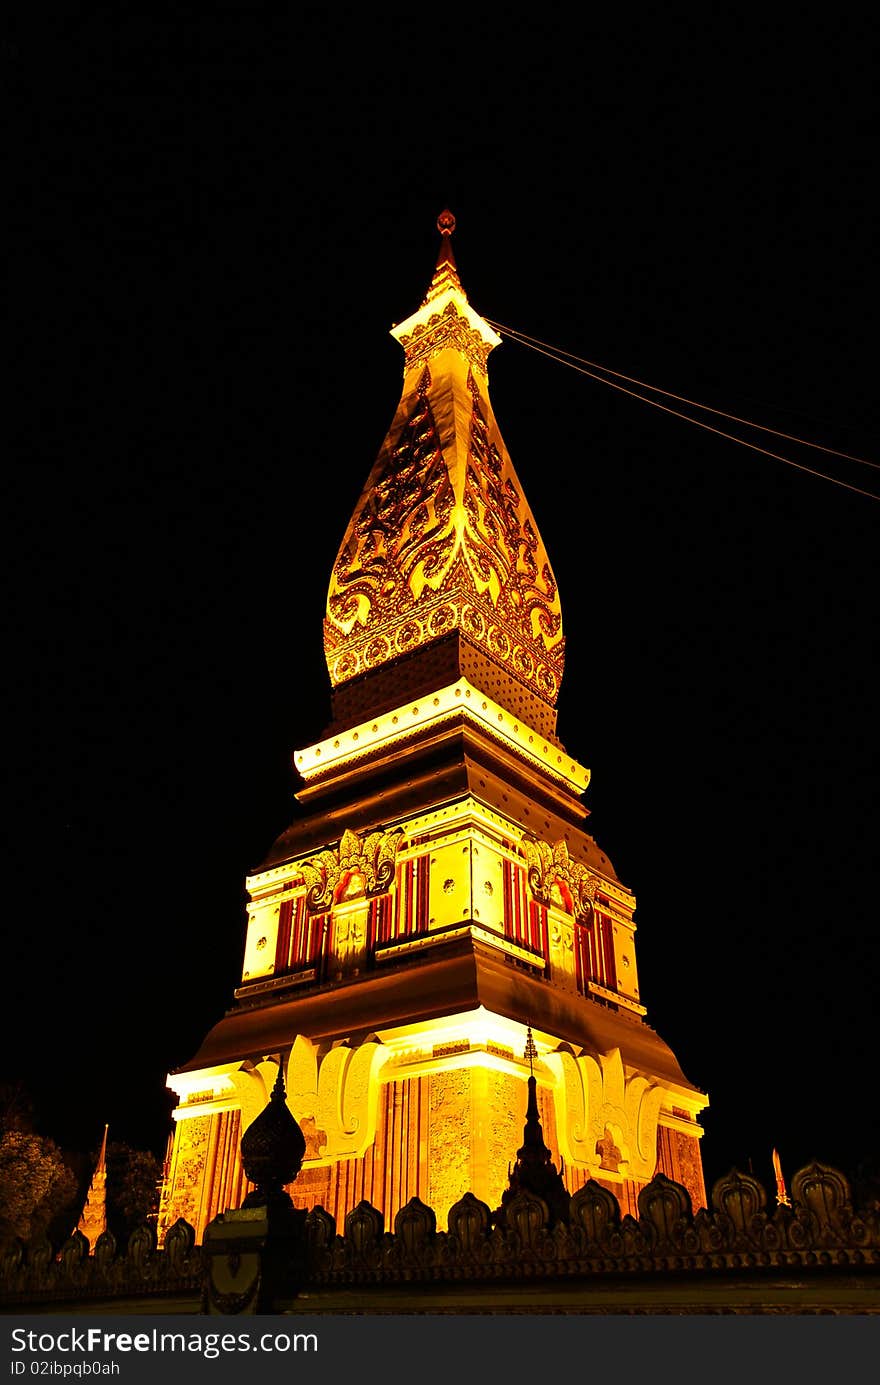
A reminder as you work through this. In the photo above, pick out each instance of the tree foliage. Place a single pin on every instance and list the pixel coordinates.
(16, 1106)
(43, 1190)
(36, 1185)
(133, 1177)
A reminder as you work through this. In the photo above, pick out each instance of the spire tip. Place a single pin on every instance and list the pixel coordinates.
(446, 223)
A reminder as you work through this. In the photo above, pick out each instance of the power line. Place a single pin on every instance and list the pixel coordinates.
(568, 358)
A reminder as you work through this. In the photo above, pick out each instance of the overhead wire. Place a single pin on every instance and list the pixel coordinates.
(569, 358)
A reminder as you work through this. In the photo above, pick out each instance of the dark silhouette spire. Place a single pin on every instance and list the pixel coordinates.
(272, 1149)
(534, 1170)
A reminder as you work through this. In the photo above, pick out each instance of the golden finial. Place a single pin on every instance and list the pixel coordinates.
(446, 223)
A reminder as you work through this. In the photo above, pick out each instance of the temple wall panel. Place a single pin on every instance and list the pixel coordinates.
(488, 886)
(390, 1172)
(625, 958)
(449, 1152)
(182, 1194)
(434, 1134)
(450, 883)
(261, 943)
(680, 1159)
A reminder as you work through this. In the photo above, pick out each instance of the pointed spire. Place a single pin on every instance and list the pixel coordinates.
(445, 318)
(534, 1171)
(93, 1218)
(782, 1198)
(446, 270)
(442, 549)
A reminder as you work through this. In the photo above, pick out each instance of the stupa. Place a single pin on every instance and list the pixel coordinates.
(437, 902)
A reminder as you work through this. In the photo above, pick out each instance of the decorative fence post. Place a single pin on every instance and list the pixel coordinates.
(256, 1255)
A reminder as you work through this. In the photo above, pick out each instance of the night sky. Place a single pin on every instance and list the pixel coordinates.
(208, 242)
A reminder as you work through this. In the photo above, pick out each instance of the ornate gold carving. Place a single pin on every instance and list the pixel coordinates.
(443, 1050)
(191, 1147)
(547, 865)
(348, 938)
(449, 1137)
(506, 1110)
(560, 938)
(403, 530)
(609, 1154)
(444, 330)
(315, 1139)
(439, 542)
(345, 1099)
(443, 619)
(598, 1101)
(334, 1098)
(372, 858)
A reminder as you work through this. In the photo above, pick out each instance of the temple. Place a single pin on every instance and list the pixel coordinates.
(438, 954)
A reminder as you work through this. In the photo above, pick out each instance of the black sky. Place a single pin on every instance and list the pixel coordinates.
(210, 234)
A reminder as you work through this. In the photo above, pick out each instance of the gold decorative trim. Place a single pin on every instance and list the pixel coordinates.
(459, 699)
(443, 330)
(463, 930)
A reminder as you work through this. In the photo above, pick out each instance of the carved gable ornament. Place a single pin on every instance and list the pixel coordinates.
(608, 1121)
(552, 875)
(444, 329)
(357, 866)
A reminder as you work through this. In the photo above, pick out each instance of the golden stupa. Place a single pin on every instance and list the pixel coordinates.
(437, 894)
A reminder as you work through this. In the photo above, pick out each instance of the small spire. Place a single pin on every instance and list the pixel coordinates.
(534, 1170)
(93, 1218)
(531, 1051)
(446, 270)
(102, 1157)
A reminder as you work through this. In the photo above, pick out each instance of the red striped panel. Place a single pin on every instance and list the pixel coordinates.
(298, 950)
(405, 923)
(379, 920)
(517, 917)
(507, 883)
(423, 876)
(282, 947)
(537, 930)
(581, 956)
(411, 899)
(595, 952)
(610, 972)
(522, 905)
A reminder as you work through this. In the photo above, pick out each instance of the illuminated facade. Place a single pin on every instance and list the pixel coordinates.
(437, 893)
